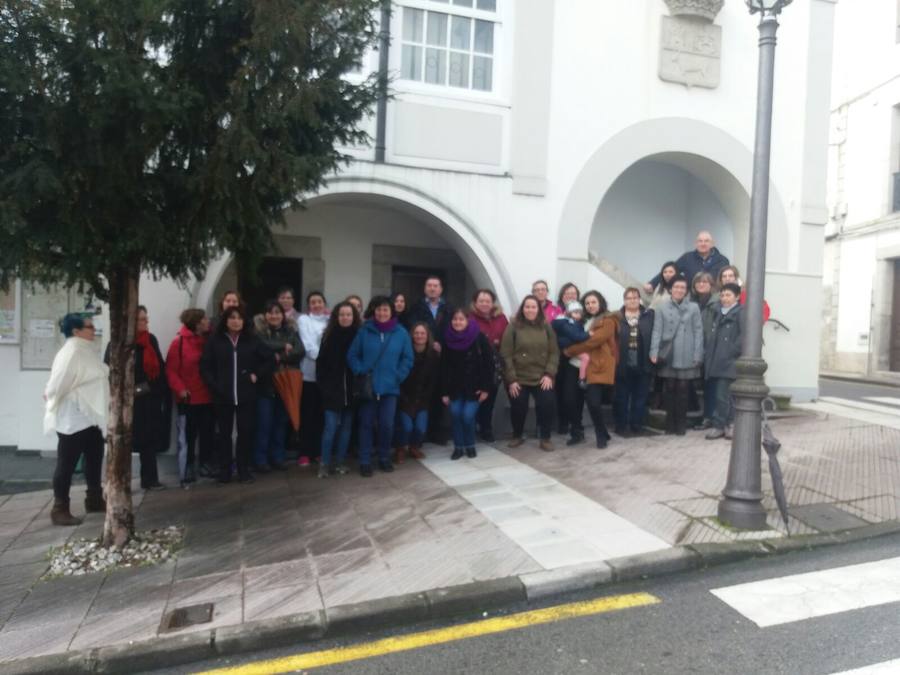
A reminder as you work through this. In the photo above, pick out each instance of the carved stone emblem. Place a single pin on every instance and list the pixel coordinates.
(690, 51)
(704, 9)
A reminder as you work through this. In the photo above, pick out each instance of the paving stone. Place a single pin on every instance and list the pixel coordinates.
(201, 589)
(109, 628)
(826, 517)
(283, 601)
(16, 644)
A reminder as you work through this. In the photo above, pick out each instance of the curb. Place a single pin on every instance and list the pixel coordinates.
(443, 603)
(859, 379)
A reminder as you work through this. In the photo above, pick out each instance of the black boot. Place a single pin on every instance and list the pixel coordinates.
(576, 438)
(94, 502)
(457, 453)
(471, 452)
(60, 514)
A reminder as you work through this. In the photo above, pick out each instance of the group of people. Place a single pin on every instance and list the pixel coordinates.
(381, 379)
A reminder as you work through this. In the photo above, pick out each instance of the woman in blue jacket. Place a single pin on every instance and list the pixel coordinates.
(383, 349)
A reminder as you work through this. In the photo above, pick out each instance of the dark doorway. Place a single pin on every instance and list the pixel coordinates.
(895, 320)
(272, 274)
(411, 281)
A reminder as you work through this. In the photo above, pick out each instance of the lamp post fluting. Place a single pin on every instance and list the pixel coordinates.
(741, 503)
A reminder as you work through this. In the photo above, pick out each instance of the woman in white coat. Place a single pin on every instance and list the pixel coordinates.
(77, 398)
(312, 326)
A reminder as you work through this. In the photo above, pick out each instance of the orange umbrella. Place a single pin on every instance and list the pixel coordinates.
(289, 385)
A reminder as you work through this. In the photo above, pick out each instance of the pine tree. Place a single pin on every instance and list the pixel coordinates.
(148, 136)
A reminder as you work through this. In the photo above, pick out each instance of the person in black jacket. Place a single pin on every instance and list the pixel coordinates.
(416, 393)
(152, 402)
(467, 374)
(570, 330)
(634, 371)
(704, 258)
(336, 384)
(233, 362)
(721, 355)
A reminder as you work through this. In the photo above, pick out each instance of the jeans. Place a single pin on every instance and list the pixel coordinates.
(384, 410)
(462, 419)
(412, 430)
(632, 387)
(336, 435)
(723, 413)
(572, 399)
(593, 395)
(194, 423)
(709, 399)
(271, 431)
(68, 451)
(245, 414)
(484, 419)
(544, 403)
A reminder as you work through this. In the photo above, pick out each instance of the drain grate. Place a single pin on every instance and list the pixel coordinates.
(182, 617)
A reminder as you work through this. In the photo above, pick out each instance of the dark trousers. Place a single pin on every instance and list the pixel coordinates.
(630, 403)
(69, 449)
(484, 418)
(723, 412)
(676, 393)
(544, 403)
(593, 396)
(572, 399)
(382, 413)
(560, 418)
(312, 418)
(149, 472)
(709, 400)
(200, 426)
(245, 414)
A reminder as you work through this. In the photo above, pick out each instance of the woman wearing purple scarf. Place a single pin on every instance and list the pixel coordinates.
(467, 372)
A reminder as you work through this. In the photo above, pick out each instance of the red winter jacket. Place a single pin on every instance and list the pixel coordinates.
(766, 311)
(183, 366)
(492, 328)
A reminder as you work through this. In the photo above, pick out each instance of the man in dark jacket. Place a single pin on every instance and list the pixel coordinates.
(633, 370)
(435, 312)
(704, 258)
(722, 352)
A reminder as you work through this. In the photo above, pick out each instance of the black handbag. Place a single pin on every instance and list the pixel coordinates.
(664, 355)
(364, 385)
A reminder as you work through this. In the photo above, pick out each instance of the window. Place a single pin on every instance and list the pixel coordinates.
(454, 47)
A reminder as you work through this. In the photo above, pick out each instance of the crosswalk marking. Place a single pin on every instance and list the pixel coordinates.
(804, 596)
(553, 523)
(885, 668)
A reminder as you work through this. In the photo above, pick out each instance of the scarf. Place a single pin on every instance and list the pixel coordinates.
(151, 361)
(461, 340)
(387, 326)
(77, 373)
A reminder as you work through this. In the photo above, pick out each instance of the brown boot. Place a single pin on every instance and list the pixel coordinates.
(547, 446)
(60, 514)
(94, 503)
(416, 452)
(400, 455)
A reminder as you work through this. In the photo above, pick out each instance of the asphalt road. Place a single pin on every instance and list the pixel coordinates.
(855, 391)
(689, 631)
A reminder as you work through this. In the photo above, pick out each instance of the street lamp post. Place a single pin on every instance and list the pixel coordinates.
(741, 503)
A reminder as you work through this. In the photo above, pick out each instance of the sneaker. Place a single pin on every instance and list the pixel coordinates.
(457, 453)
(341, 469)
(516, 442)
(547, 446)
(714, 434)
(729, 432)
(703, 424)
(303, 461)
(471, 453)
(365, 470)
(387, 467)
(322, 472)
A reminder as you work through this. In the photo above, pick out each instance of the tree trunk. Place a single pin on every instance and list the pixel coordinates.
(123, 297)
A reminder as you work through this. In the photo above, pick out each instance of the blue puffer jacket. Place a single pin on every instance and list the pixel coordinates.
(568, 332)
(394, 364)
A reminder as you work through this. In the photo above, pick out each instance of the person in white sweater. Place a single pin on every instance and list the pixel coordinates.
(77, 398)
(311, 326)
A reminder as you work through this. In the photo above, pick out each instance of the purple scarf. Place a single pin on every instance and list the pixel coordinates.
(461, 340)
(387, 326)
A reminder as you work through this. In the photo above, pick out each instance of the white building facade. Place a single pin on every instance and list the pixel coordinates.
(575, 140)
(861, 335)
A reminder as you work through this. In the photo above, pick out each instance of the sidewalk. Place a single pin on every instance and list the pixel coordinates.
(291, 543)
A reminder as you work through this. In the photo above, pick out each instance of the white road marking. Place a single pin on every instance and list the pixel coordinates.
(884, 419)
(554, 524)
(805, 596)
(889, 400)
(860, 405)
(885, 668)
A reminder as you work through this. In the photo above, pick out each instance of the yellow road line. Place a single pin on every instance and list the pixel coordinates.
(438, 636)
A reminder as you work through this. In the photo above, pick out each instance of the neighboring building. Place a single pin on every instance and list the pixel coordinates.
(861, 330)
(582, 140)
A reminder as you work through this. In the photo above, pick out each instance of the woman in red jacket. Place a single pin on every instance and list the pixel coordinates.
(195, 412)
(492, 321)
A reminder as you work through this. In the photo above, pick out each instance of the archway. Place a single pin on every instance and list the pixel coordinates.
(703, 170)
(358, 233)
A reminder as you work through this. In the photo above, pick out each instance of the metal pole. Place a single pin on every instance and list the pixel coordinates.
(384, 45)
(741, 503)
